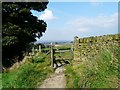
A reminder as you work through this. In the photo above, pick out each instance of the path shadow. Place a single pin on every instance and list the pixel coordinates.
(59, 63)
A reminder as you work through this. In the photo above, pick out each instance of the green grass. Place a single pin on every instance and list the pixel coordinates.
(28, 75)
(72, 77)
(64, 47)
(67, 55)
(0, 81)
(98, 72)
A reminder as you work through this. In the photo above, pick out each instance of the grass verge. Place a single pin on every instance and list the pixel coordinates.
(101, 71)
(29, 75)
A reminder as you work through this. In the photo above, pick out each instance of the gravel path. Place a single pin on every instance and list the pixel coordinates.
(57, 80)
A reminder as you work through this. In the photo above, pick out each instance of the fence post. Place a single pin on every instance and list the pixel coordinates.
(72, 50)
(33, 50)
(52, 63)
(39, 48)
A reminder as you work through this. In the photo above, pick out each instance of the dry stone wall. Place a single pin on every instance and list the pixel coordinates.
(85, 48)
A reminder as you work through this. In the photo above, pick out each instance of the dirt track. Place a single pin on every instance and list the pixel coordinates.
(57, 80)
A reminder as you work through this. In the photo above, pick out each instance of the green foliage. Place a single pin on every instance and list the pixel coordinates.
(100, 71)
(9, 40)
(45, 49)
(20, 28)
(38, 59)
(29, 75)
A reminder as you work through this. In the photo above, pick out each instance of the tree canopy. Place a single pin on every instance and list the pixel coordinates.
(20, 28)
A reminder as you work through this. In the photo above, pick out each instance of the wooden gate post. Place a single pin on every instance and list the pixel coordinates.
(52, 55)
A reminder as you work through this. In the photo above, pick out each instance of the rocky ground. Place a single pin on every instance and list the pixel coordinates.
(56, 80)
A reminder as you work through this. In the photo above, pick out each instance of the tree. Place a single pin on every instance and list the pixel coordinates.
(20, 28)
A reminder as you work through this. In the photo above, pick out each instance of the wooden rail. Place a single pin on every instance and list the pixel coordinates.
(63, 51)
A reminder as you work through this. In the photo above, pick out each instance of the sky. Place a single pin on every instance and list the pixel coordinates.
(65, 20)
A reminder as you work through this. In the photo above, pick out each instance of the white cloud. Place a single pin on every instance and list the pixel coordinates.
(96, 3)
(94, 0)
(84, 30)
(95, 24)
(48, 15)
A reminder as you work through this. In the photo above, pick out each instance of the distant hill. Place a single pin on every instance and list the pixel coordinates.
(55, 42)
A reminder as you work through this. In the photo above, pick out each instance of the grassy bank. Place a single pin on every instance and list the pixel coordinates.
(0, 81)
(100, 71)
(29, 75)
